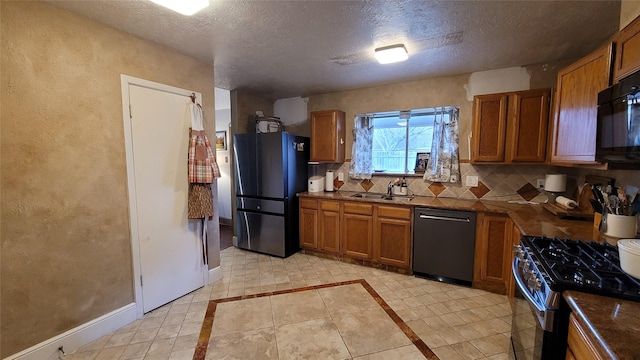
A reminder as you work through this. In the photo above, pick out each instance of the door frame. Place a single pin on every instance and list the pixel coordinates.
(125, 82)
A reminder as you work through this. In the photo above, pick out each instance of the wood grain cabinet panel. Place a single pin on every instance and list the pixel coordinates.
(492, 258)
(627, 50)
(329, 227)
(580, 346)
(308, 224)
(328, 136)
(573, 137)
(392, 238)
(489, 128)
(528, 122)
(356, 230)
(510, 127)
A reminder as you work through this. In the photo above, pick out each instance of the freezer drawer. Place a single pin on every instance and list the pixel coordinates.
(260, 205)
(261, 232)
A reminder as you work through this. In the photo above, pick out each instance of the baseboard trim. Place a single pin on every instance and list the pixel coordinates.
(215, 274)
(81, 335)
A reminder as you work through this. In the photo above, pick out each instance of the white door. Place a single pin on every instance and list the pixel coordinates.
(170, 248)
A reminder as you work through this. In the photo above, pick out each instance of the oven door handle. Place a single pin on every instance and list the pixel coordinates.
(540, 311)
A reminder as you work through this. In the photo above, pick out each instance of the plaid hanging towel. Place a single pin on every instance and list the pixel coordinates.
(203, 167)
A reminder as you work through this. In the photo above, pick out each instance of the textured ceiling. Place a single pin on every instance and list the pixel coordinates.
(280, 49)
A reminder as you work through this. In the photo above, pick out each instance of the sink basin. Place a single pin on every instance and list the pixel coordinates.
(381, 197)
(369, 196)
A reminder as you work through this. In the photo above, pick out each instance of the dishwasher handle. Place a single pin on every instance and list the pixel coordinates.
(445, 218)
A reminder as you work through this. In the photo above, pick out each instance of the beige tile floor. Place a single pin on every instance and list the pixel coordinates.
(455, 322)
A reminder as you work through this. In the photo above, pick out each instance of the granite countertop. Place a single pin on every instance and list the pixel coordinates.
(530, 219)
(614, 324)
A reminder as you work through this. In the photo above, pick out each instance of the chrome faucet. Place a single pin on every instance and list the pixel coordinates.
(390, 189)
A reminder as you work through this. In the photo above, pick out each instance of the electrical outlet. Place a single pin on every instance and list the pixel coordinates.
(340, 176)
(472, 181)
(540, 183)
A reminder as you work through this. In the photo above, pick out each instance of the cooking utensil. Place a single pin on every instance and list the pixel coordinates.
(597, 207)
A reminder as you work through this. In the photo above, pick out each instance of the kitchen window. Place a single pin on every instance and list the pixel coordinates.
(398, 136)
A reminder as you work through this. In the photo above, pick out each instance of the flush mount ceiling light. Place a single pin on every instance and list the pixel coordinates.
(391, 54)
(184, 7)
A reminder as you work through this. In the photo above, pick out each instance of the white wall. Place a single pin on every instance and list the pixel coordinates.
(291, 111)
(629, 10)
(223, 122)
(497, 81)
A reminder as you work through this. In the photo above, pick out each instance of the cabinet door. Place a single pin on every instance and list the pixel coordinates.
(515, 240)
(329, 227)
(308, 224)
(489, 126)
(528, 123)
(327, 136)
(627, 50)
(574, 124)
(492, 253)
(357, 230)
(393, 242)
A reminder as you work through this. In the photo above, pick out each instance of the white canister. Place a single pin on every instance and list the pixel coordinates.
(328, 181)
(621, 226)
(315, 184)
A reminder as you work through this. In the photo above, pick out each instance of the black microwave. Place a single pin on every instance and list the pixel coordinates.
(618, 134)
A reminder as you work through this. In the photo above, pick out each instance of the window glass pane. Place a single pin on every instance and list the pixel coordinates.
(394, 148)
(389, 143)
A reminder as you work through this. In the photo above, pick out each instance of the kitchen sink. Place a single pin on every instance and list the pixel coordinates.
(381, 197)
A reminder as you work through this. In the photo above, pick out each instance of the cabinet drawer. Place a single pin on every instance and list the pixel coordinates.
(330, 205)
(354, 208)
(394, 212)
(308, 203)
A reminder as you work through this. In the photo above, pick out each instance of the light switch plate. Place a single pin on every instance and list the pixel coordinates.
(472, 181)
(340, 176)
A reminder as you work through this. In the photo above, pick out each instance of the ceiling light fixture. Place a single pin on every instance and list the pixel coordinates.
(184, 7)
(391, 54)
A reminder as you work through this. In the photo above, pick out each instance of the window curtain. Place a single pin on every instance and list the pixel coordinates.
(361, 151)
(444, 165)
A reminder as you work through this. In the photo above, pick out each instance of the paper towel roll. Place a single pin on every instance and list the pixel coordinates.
(328, 181)
(566, 202)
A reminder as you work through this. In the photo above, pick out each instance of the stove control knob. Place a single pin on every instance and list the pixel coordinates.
(534, 283)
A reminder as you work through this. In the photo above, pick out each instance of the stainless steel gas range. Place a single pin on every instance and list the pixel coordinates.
(543, 268)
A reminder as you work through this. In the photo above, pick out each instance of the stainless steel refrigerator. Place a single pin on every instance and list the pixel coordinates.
(270, 168)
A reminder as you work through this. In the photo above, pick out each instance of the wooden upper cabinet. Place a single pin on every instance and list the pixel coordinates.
(511, 127)
(528, 122)
(573, 138)
(627, 50)
(328, 136)
(489, 127)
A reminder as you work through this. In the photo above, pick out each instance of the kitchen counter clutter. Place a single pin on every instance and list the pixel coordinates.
(603, 327)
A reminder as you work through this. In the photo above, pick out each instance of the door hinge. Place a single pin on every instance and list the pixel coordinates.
(130, 114)
(140, 280)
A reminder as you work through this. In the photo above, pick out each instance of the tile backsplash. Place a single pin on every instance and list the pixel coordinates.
(495, 182)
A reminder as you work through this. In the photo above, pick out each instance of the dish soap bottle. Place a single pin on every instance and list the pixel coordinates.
(403, 187)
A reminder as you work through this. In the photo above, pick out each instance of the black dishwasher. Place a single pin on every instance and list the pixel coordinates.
(443, 245)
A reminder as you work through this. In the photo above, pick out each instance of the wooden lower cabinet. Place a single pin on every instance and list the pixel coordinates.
(580, 346)
(492, 259)
(515, 240)
(357, 230)
(392, 238)
(308, 224)
(329, 227)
